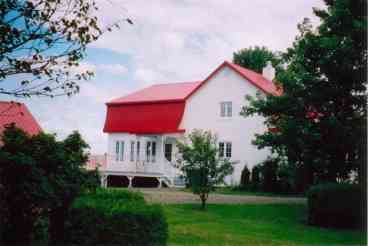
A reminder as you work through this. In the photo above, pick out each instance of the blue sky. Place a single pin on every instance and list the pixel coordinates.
(170, 41)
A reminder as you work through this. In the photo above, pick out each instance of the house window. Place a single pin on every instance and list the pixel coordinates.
(148, 151)
(228, 149)
(132, 151)
(225, 149)
(151, 151)
(221, 149)
(138, 150)
(226, 109)
(168, 151)
(122, 151)
(117, 149)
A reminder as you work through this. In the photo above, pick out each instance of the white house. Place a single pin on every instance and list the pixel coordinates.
(143, 127)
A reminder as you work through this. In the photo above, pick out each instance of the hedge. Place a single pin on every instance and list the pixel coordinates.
(112, 217)
(335, 205)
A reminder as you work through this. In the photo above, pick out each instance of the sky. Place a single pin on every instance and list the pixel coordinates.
(170, 41)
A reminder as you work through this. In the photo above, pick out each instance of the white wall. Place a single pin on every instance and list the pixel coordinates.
(202, 111)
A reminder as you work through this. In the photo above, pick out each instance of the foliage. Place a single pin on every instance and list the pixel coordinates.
(335, 205)
(245, 177)
(39, 175)
(251, 224)
(115, 218)
(42, 43)
(320, 120)
(201, 164)
(256, 58)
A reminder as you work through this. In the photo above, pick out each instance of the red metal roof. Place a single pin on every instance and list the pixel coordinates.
(158, 93)
(14, 112)
(160, 108)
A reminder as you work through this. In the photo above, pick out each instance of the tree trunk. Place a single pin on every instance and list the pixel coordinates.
(57, 218)
(203, 200)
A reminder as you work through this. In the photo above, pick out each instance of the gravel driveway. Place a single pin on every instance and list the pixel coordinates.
(169, 196)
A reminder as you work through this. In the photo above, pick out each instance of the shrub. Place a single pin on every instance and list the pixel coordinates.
(114, 217)
(245, 177)
(335, 205)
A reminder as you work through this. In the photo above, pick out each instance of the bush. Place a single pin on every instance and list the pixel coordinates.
(335, 205)
(245, 178)
(114, 217)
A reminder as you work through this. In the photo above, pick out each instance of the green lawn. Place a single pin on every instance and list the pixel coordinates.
(270, 224)
(230, 191)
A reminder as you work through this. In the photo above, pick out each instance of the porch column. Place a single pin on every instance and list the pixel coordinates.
(130, 181)
(104, 181)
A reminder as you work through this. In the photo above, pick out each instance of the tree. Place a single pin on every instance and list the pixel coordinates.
(68, 182)
(23, 187)
(256, 58)
(320, 120)
(201, 164)
(39, 175)
(42, 43)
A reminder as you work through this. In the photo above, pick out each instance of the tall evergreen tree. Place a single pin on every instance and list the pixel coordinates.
(321, 116)
(256, 58)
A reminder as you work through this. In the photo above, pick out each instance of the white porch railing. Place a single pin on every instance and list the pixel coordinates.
(163, 167)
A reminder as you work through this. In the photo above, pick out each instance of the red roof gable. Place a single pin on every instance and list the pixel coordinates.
(160, 108)
(256, 79)
(14, 112)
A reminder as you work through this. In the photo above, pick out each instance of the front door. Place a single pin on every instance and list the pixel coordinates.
(168, 151)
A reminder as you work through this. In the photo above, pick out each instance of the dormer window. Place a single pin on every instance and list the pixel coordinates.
(226, 109)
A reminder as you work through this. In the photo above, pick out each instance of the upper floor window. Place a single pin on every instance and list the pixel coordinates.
(226, 109)
(225, 149)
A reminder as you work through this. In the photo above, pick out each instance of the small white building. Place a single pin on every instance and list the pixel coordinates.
(143, 127)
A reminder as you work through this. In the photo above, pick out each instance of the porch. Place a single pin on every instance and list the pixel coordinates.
(139, 156)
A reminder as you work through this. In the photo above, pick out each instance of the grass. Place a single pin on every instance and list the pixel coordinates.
(231, 191)
(267, 224)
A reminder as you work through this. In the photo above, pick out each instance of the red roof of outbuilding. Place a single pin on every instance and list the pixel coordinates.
(160, 108)
(14, 112)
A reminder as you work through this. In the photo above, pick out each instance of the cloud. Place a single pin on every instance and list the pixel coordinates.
(184, 40)
(170, 41)
(113, 69)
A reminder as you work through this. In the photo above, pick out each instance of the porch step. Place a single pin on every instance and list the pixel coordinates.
(179, 182)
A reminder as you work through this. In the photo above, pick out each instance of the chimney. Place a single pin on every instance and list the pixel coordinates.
(269, 71)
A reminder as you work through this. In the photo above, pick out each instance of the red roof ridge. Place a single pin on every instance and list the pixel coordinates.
(175, 83)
